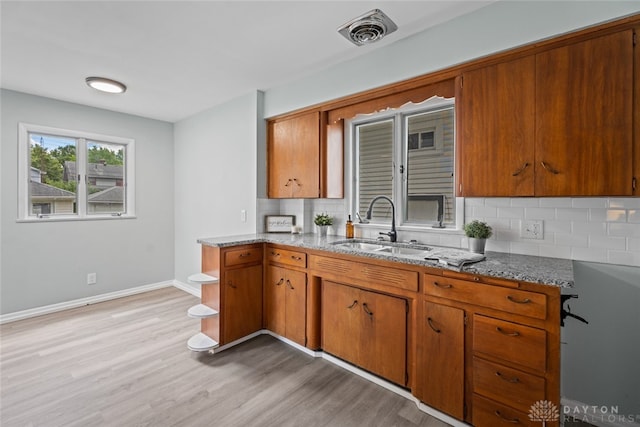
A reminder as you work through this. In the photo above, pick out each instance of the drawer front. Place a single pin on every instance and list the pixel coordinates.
(488, 413)
(507, 385)
(242, 256)
(525, 303)
(285, 256)
(511, 342)
(363, 273)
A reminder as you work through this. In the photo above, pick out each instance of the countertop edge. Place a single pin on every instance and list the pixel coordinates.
(556, 272)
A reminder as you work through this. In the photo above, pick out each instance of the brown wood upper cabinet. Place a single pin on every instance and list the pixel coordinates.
(304, 157)
(557, 123)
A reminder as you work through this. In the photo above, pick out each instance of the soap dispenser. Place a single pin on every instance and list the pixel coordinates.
(349, 228)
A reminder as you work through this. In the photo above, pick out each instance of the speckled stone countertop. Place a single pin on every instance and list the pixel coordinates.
(526, 268)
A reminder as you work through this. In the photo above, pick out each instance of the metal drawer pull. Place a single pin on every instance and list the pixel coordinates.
(288, 182)
(438, 285)
(245, 254)
(355, 302)
(518, 301)
(297, 258)
(519, 171)
(275, 253)
(549, 168)
(513, 380)
(430, 322)
(503, 332)
(509, 420)
(365, 307)
(232, 285)
(280, 282)
(289, 284)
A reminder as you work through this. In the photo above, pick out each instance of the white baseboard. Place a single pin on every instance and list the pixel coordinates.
(600, 416)
(52, 308)
(193, 290)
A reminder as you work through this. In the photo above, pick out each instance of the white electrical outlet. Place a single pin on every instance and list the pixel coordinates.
(243, 215)
(532, 229)
(92, 278)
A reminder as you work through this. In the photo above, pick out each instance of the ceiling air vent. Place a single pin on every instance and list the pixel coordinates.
(368, 28)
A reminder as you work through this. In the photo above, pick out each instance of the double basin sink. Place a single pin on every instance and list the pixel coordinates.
(384, 248)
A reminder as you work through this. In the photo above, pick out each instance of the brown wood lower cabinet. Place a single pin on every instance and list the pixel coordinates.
(285, 294)
(366, 328)
(242, 311)
(441, 358)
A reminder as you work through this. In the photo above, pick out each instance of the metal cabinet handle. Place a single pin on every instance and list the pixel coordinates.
(355, 302)
(246, 254)
(275, 253)
(296, 182)
(289, 284)
(518, 301)
(232, 285)
(549, 168)
(280, 282)
(365, 307)
(438, 285)
(509, 420)
(430, 322)
(289, 181)
(512, 380)
(519, 171)
(510, 334)
(297, 258)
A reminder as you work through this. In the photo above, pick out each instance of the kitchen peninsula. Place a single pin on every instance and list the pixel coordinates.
(478, 344)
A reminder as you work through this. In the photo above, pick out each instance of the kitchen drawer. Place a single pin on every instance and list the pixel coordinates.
(510, 341)
(363, 273)
(507, 385)
(244, 255)
(285, 256)
(525, 303)
(488, 413)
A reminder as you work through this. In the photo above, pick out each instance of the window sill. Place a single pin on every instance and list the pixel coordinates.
(75, 218)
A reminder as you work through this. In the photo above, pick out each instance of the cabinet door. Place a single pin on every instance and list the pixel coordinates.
(440, 380)
(295, 306)
(341, 321)
(242, 303)
(294, 157)
(584, 118)
(274, 294)
(384, 336)
(496, 145)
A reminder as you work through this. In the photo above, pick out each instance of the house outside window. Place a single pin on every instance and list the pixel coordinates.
(408, 156)
(67, 175)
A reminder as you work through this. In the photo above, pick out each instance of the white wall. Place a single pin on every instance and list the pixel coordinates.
(47, 263)
(499, 26)
(215, 177)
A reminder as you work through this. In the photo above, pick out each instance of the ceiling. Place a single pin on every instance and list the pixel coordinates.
(181, 57)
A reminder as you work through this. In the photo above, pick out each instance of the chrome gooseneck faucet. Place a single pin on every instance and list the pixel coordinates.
(393, 236)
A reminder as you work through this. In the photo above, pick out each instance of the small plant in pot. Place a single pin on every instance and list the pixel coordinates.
(478, 232)
(323, 221)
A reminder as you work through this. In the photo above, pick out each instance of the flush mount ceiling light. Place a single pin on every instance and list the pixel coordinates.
(368, 28)
(106, 85)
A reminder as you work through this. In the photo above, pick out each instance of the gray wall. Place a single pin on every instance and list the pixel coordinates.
(47, 263)
(215, 177)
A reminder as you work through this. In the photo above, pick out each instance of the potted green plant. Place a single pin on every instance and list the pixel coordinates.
(322, 221)
(478, 232)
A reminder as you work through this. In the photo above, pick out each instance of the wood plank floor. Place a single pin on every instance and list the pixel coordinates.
(125, 363)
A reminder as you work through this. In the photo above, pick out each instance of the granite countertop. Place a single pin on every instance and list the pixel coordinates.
(526, 268)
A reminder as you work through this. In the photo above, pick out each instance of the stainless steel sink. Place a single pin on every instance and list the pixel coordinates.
(383, 248)
(404, 251)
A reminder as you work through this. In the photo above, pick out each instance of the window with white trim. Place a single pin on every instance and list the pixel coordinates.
(408, 156)
(66, 174)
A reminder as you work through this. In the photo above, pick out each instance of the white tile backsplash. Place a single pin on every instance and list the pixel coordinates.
(596, 229)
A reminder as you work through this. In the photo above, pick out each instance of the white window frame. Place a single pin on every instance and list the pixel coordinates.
(24, 163)
(400, 152)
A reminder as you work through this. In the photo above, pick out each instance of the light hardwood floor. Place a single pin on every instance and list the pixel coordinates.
(125, 363)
